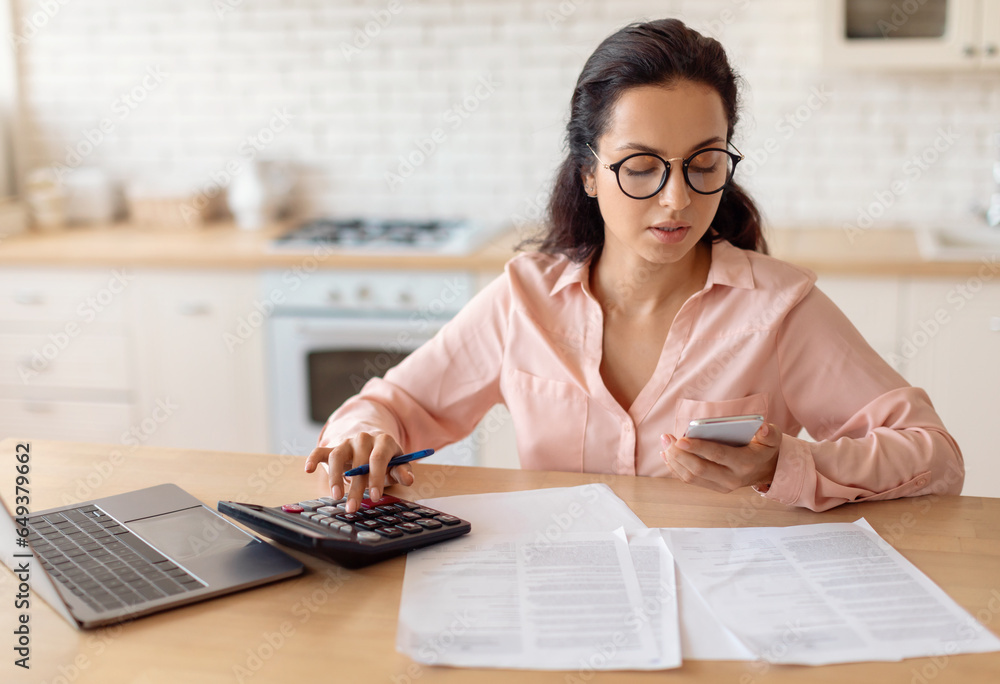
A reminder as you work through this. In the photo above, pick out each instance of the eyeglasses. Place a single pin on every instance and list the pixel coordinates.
(642, 175)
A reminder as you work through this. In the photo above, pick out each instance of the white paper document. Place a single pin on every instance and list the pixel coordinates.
(826, 593)
(547, 579)
(511, 601)
(546, 513)
(571, 579)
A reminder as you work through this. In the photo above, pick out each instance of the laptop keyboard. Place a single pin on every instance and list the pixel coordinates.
(102, 562)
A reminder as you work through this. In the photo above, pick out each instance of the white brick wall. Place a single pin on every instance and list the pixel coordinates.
(354, 118)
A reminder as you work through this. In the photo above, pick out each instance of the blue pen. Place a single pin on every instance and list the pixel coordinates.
(394, 461)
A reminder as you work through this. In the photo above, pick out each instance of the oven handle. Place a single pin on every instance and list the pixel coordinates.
(355, 328)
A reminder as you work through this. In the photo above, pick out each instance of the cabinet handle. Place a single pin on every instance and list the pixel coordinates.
(995, 323)
(29, 297)
(969, 50)
(193, 309)
(990, 50)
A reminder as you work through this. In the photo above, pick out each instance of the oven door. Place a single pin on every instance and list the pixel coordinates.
(316, 363)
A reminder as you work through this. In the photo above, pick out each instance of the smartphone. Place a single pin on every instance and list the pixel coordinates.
(730, 430)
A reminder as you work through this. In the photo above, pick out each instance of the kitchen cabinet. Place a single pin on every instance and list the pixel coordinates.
(952, 344)
(131, 357)
(66, 364)
(912, 34)
(201, 361)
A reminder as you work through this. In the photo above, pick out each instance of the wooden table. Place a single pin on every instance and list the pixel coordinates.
(332, 624)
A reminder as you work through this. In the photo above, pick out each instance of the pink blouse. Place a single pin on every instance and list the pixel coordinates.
(758, 338)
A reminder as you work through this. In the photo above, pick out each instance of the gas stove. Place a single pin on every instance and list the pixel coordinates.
(386, 236)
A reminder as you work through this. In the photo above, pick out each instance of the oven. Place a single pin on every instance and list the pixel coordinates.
(332, 330)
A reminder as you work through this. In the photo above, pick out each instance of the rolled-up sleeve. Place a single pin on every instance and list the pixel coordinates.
(877, 437)
(438, 393)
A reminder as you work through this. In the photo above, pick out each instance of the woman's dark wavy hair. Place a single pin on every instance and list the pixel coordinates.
(660, 52)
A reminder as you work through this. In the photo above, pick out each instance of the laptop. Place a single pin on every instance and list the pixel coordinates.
(125, 556)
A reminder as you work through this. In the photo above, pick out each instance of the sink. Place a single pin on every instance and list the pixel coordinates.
(974, 244)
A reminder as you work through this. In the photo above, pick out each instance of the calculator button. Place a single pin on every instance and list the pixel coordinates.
(310, 505)
(390, 532)
(409, 515)
(390, 519)
(327, 510)
(386, 499)
(325, 520)
(292, 508)
(368, 524)
(408, 505)
(428, 512)
(429, 523)
(389, 508)
(348, 517)
(369, 514)
(411, 528)
(448, 519)
(328, 500)
(365, 535)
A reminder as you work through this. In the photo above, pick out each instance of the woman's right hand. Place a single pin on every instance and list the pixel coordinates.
(375, 449)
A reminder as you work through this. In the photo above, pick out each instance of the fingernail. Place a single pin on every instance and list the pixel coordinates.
(352, 505)
(374, 494)
(765, 428)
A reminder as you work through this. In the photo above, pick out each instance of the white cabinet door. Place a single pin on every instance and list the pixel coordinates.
(953, 339)
(201, 372)
(66, 370)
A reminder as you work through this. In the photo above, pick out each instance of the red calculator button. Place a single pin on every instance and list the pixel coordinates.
(292, 508)
(386, 499)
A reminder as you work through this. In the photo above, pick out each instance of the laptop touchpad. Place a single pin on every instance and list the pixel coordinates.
(190, 533)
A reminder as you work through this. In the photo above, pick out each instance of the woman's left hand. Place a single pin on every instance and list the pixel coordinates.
(720, 467)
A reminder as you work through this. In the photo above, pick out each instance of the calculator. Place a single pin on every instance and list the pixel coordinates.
(376, 531)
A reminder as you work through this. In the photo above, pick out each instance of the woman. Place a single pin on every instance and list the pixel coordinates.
(650, 302)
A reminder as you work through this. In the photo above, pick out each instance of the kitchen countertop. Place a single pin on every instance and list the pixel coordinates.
(882, 252)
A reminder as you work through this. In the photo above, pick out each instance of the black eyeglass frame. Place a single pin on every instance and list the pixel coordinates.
(737, 158)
